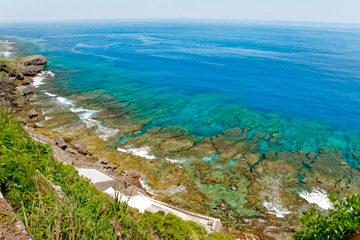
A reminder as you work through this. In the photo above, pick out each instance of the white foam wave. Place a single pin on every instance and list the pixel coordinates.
(146, 187)
(276, 208)
(86, 116)
(175, 189)
(105, 133)
(65, 101)
(122, 150)
(102, 131)
(175, 160)
(49, 73)
(273, 201)
(141, 152)
(318, 196)
(50, 94)
(7, 54)
(47, 117)
(38, 80)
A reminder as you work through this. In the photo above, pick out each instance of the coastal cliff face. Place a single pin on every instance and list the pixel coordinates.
(20, 70)
(16, 89)
(27, 66)
(17, 82)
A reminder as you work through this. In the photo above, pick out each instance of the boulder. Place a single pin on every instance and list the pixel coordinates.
(79, 147)
(104, 160)
(31, 70)
(59, 140)
(99, 165)
(71, 151)
(34, 60)
(132, 178)
(110, 166)
(33, 113)
(19, 75)
(28, 90)
(133, 174)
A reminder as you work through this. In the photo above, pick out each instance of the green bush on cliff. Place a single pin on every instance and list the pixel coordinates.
(342, 221)
(80, 211)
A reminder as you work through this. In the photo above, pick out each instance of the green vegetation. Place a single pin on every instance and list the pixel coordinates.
(340, 223)
(2, 61)
(10, 64)
(79, 210)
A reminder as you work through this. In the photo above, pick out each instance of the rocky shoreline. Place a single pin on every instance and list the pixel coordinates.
(16, 81)
(16, 89)
(259, 190)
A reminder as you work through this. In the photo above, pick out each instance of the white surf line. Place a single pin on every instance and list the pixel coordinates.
(141, 152)
(38, 79)
(86, 116)
(317, 196)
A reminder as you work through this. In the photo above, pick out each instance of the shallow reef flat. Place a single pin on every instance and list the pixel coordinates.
(233, 175)
(253, 124)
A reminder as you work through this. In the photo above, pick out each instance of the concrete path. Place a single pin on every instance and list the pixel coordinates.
(106, 183)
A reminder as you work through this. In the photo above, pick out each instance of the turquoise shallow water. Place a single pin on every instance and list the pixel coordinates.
(199, 107)
(301, 82)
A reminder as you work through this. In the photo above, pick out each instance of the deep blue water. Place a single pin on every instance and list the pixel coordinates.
(303, 80)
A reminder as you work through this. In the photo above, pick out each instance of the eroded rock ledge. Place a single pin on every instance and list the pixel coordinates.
(69, 151)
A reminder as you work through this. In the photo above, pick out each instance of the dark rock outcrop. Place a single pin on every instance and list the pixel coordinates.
(110, 166)
(37, 60)
(26, 66)
(103, 163)
(104, 160)
(28, 90)
(79, 147)
(60, 142)
(33, 113)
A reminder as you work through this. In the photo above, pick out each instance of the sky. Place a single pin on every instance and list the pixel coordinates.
(340, 11)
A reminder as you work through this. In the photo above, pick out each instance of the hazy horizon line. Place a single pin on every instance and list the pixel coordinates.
(212, 20)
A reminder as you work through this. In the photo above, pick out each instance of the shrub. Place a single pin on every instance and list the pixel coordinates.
(81, 211)
(341, 222)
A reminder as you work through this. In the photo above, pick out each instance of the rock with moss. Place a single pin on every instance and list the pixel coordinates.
(26, 66)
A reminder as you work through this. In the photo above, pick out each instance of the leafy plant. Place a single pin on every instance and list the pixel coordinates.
(79, 211)
(342, 221)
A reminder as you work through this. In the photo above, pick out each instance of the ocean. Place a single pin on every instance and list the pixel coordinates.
(282, 87)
